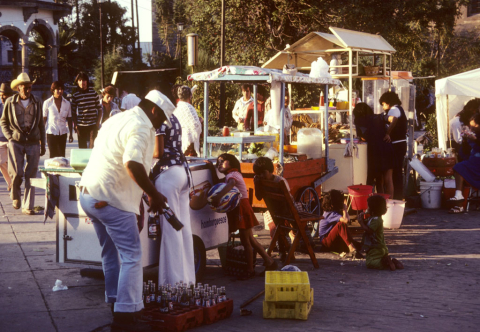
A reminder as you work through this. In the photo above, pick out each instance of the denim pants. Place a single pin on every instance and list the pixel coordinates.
(119, 238)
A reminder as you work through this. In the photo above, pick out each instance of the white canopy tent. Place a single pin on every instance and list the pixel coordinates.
(451, 95)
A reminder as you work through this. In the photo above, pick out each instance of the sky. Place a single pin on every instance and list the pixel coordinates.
(144, 15)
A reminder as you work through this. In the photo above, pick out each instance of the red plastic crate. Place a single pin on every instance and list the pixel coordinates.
(180, 319)
(217, 312)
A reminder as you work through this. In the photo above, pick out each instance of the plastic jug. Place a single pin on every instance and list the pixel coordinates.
(309, 142)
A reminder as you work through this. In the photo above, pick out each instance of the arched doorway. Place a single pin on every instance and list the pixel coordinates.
(11, 49)
(43, 52)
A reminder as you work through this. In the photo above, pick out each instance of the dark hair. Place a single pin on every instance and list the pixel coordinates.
(174, 90)
(333, 201)
(377, 205)
(110, 90)
(426, 91)
(262, 164)
(184, 93)
(147, 105)
(390, 98)
(465, 115)
(82, 76)
(56, 85)
(247, 86)
(472, 105)
(361, 110)
(234, 163)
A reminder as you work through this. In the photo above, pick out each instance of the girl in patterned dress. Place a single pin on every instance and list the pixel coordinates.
(242, 217)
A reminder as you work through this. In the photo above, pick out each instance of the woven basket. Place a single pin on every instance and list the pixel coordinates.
(371, 71)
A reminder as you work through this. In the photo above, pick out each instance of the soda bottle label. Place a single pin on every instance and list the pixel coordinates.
(213, 301)
(207, 303)
(170, 305)
(165, 309)
(197, 302)
(147, 299)
(159, 298)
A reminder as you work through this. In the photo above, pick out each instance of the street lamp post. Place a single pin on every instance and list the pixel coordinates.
(101, 40)
(180, 29)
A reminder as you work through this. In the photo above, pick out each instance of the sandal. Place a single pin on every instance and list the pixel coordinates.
(397, 263)
(456, 210)
(389, 263)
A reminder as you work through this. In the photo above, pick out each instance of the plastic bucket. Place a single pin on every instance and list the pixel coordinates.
(394, 216)
(358, 195)
(431, 194)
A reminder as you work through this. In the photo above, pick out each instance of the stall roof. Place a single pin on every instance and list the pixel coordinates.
(310, 47)
(251, 74)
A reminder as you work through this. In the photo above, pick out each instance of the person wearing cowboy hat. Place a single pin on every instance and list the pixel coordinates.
(111, 189)
(5, 92)
(23, 126)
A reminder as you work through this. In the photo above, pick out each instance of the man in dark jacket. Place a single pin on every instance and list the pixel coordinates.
(23, 126)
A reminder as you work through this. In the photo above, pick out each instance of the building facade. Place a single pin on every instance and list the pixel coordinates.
(17, 21)
(470, 17)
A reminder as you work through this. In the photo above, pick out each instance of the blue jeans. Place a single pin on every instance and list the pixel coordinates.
(119, 238)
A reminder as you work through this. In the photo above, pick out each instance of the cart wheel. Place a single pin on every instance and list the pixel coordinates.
(200, 257)
(308, 198)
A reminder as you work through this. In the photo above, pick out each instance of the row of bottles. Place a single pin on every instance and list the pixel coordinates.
(166, 296)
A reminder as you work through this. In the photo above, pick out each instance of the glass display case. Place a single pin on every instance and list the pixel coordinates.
(243, 147)
(373, 88)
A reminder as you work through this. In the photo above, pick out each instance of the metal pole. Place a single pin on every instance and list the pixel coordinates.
(180, 40)
(138, 34)
(222, 114)
(325, 127)
(255, 109)
(350, 95)
(205, 119)
(133, 26)
(101, 42)
(282, 123)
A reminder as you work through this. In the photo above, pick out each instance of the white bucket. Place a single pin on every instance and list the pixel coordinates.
(394, 216)
(431, 193)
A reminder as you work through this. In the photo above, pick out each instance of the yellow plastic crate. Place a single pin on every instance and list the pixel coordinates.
(287, 286)
(288, 310)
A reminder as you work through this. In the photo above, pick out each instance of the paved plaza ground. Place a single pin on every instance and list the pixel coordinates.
(437, 291)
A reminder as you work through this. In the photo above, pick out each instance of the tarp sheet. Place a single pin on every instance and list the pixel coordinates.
(459, 88)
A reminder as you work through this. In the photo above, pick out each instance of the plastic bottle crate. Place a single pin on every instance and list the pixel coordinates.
(288, 310)
(287, 286)
(177, 320)
(217, 312)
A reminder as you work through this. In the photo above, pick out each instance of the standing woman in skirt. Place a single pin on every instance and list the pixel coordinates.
(172, 179)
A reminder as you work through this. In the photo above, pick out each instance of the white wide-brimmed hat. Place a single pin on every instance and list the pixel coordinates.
(163, 102)
(23, 78)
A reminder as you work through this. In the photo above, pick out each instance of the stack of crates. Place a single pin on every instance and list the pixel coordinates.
(287, 295)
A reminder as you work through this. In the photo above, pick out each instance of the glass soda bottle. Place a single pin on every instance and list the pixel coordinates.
(164, 303)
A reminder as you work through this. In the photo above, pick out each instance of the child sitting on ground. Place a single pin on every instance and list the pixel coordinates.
(374, 242)
(333, 231)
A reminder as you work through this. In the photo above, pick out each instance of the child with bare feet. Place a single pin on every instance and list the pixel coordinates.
(374, 242)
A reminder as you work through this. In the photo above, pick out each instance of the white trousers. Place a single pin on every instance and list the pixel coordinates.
(176, 250)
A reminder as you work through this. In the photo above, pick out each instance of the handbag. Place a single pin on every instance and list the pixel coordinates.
(235, 261)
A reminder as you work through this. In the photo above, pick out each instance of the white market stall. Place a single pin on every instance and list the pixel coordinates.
(345, 50)
(451, 95)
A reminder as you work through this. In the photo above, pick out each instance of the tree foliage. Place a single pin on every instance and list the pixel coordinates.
(113, 61)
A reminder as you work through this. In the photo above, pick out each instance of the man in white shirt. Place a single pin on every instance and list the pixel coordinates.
(112, 186)
(129, 101)
(240, 110)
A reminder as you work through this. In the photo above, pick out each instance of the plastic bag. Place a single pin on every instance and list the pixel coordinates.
(59, 286)
(57, 162)
(271, 153)
(319, 69)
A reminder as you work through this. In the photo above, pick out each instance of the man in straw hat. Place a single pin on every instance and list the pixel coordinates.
(23, 126)
(111, 190)
(5, 92)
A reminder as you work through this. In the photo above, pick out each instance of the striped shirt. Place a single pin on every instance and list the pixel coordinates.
(87, 106)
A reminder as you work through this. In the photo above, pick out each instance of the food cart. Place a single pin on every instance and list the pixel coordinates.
(76, 239)
(304, 176)
(351, 55)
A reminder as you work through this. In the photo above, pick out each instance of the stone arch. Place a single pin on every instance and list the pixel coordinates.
(48, 73)
(18, 39)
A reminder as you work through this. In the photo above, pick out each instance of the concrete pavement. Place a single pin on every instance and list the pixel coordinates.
(437, 291)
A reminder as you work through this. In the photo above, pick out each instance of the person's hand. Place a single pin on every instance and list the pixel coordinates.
(70, 139)
(387, 138)
(76, 129)
(216, 200)
(42, 151)
(157, 203)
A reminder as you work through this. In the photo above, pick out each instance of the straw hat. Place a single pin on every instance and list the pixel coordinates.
(5, 88)
(23, 78)
(163, 102)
